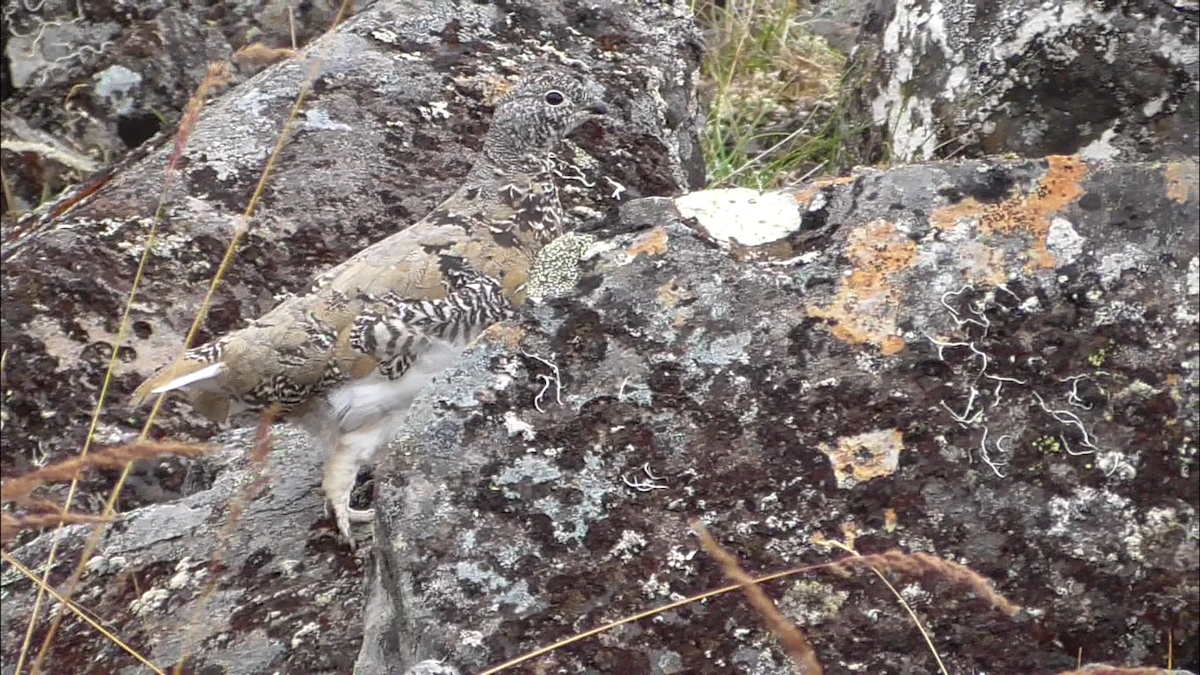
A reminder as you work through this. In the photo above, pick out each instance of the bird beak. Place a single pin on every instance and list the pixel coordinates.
(598, 108)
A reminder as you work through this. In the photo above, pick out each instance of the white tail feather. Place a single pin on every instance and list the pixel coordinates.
(191, 378)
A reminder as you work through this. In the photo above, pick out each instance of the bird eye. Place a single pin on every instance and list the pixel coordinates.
(555, 98)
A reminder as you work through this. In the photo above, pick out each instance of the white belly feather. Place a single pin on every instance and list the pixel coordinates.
(366, 413)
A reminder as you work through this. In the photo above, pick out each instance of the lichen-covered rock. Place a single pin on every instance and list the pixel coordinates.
(391, 125)
(398, 109)
(992, 362)
(1035, 78)
(103, 77)
(287, 597)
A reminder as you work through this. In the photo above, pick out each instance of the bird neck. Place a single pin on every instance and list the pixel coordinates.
(496, 165)
(520, 206)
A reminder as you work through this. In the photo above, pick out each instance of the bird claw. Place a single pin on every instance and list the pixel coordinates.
(345, 516)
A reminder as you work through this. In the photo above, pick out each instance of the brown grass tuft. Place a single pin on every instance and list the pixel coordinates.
(47, 513)
(259, 55)
(217, 76)
(1116, 670)
(11, 526)
(17, 490)
(790, 637)
(923, 563)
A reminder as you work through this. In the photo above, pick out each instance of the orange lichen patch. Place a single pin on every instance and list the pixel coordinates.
(1058, 189)
(504, 333)
(1183, 180)
(892, 345)
(947, 217)
(494, 89)
(866, 304)
(805, 194)
(652, 243)
(858, 459)
(889, 520)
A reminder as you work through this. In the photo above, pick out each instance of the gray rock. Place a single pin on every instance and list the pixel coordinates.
(61, 57)
(1108, 80)
(804, 386)
(919, 359)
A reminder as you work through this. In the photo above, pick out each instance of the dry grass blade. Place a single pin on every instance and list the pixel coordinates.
(41, 505)
(259, 55)
(80, 612)
(50, 513)
(218, 75)
(1116, 670)
(10, 198)
(633, 618)
(923, 563)
(11, 526)
(797, 646)
(18, 489)
(841, 566)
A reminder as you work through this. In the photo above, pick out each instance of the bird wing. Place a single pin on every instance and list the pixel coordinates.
(381, 309)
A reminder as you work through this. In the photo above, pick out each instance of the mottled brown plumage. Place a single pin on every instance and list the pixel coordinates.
(347, 357)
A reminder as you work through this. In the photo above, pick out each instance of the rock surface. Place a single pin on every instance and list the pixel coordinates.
(995, 363)
(391, 125)
(100, 78)
(1107, 80)
(808, 384)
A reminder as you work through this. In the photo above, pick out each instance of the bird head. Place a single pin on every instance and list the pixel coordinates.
(548, 103)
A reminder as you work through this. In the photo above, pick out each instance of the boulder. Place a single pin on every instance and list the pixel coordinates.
(992, 362)
(1106, 80)
(95, 80)
(393, 121)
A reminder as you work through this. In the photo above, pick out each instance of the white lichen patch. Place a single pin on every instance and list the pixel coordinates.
(1113, 265)
(185, 576)
(810, 602)
(1102, 148)
(743, 215)
(627, 546)
(319, 120)
(150, 601)
(1063, 241)
(310, 628)
(654, 588)
(1117, 312)
(721, 351)
(532, 468)
(385, 35)
(436, 110)
(1078, 517)
(514, 425)
(1186, 313)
